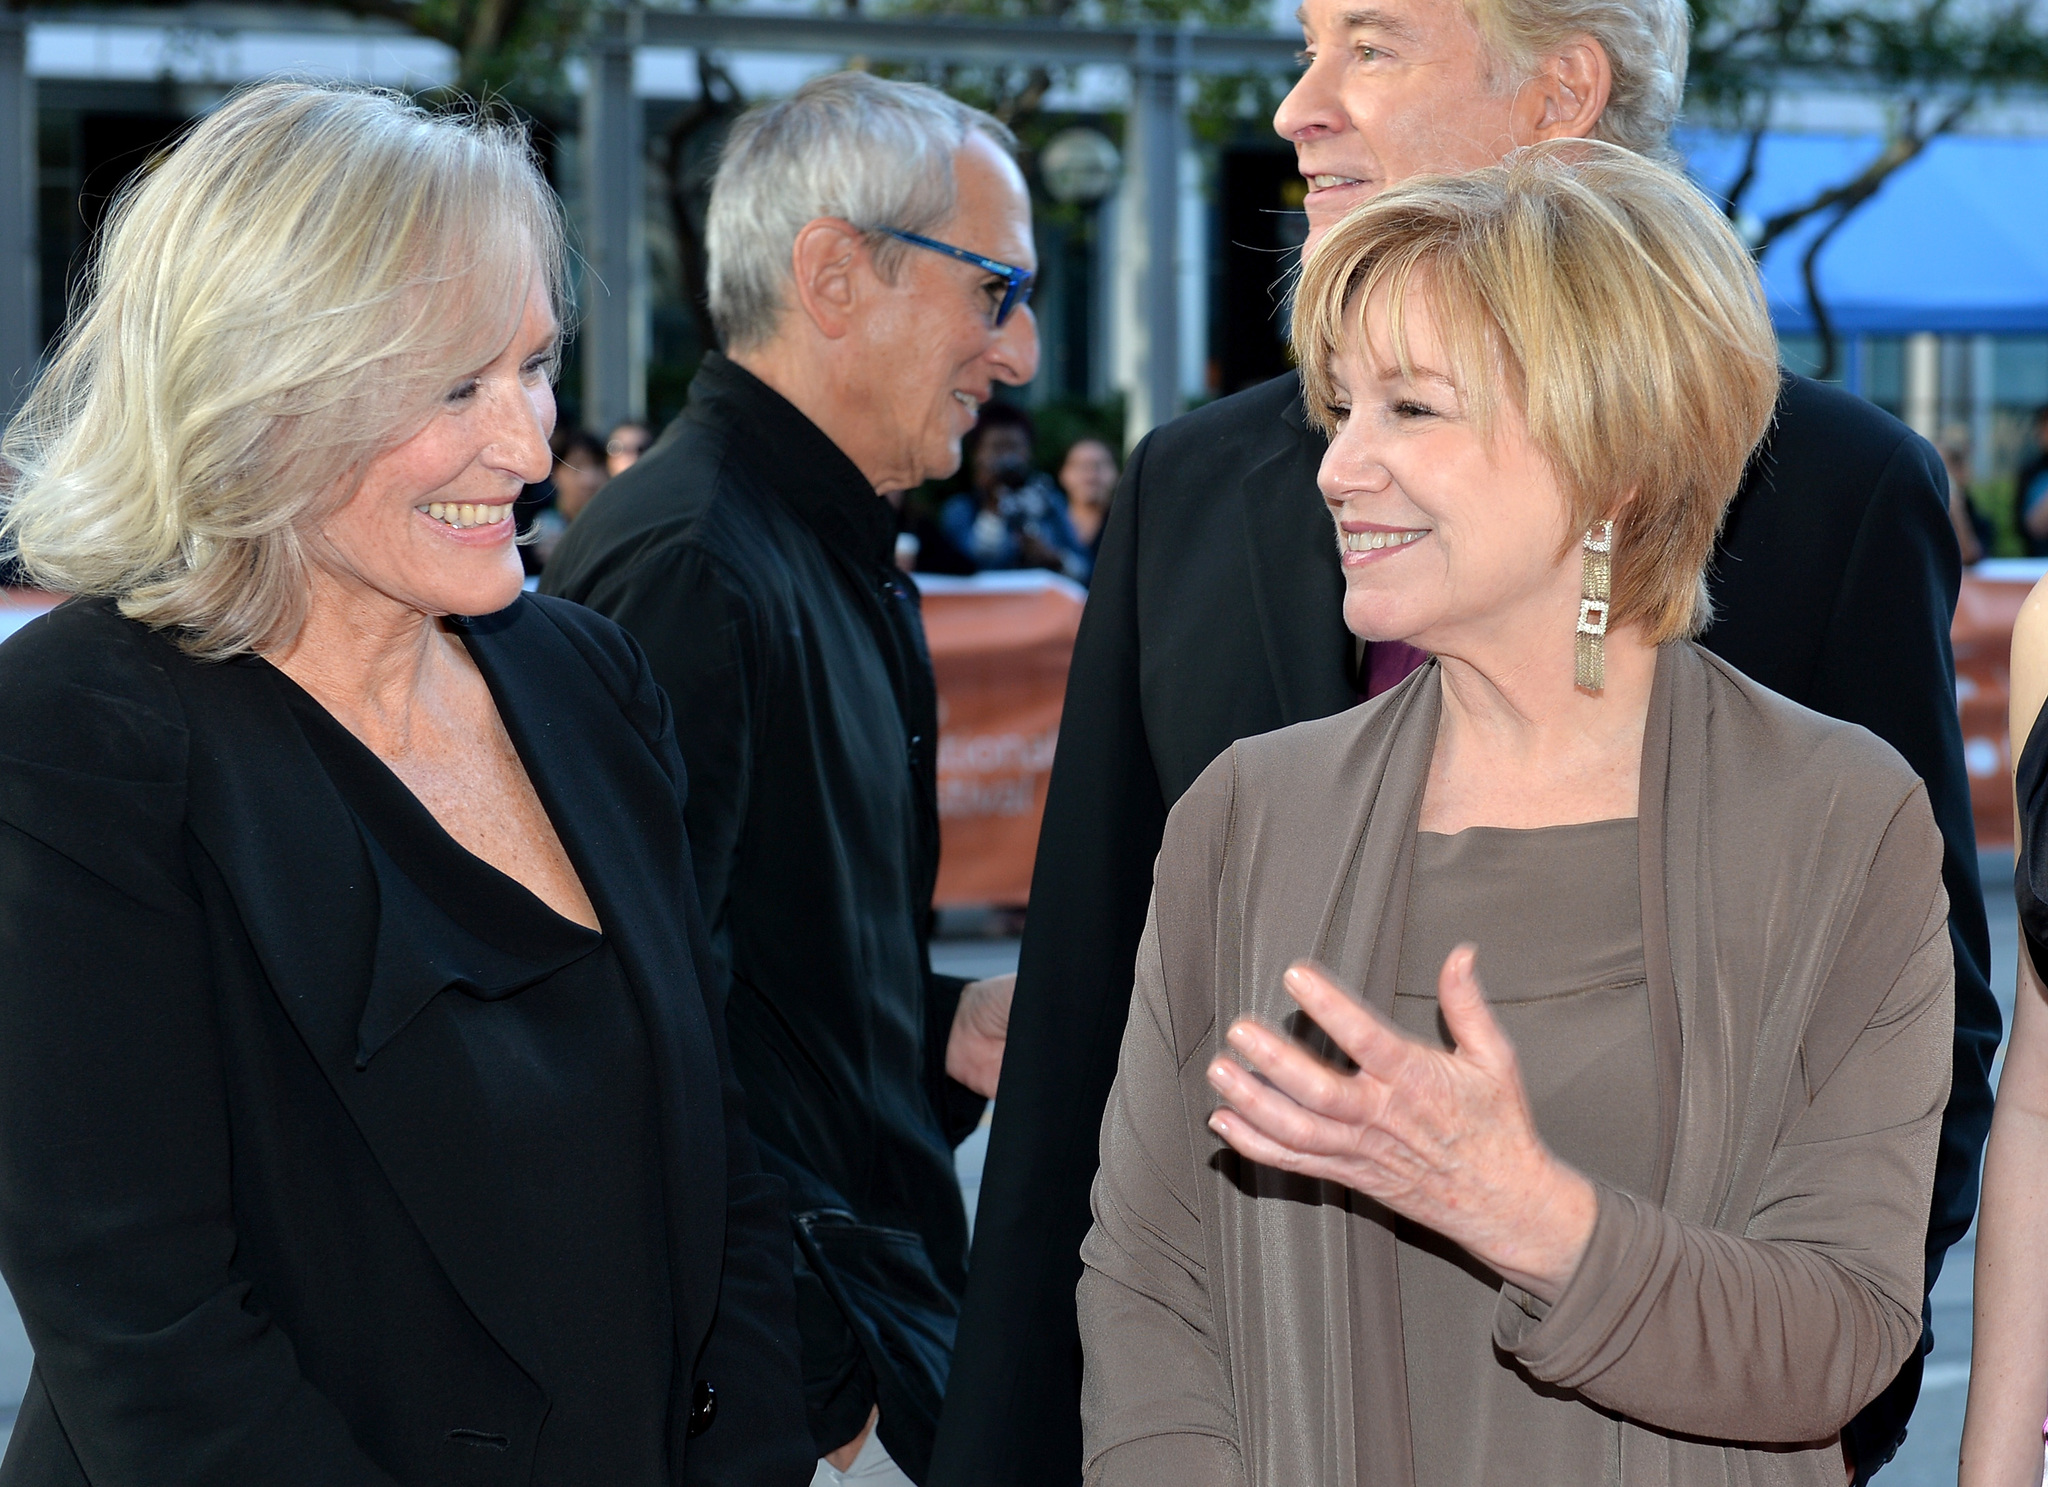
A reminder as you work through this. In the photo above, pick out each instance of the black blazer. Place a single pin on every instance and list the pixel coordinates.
(1217, 614)
(243, 1255)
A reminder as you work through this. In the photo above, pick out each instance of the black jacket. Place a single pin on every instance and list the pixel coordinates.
(242, 1252)
(1215, 615)
(756, 566)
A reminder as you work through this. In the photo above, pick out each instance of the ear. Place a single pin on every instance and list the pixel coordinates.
(827, 266)
(1567, 96)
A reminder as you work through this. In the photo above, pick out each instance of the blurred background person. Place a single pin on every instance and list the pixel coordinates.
(1088, 479)
(579, 473)
(1011, 516)
(1604, 1255)
(1973, 529)
(870, 260)
(2030, 491)
(365, 1111)
(1213, 618)
(624, 445)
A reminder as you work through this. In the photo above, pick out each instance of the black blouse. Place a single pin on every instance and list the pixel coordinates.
(2030, 870)
(558, 1078)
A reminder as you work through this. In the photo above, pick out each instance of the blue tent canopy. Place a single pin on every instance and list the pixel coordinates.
(1956, 242)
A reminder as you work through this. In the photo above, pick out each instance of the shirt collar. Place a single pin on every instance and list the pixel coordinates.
(794, 457)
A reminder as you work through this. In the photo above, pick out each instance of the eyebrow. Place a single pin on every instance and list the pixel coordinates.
(1367, 19)
(1419, 374)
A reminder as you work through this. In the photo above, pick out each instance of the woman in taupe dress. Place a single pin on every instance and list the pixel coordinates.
(1649, 1209)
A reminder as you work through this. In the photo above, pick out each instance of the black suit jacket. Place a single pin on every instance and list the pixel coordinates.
(1216, 614)
(242, 1253)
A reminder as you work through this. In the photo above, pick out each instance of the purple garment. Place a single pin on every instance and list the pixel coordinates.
(1388, 664)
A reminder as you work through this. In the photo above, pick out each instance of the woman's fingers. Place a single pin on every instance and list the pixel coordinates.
(1275, 1112)
(1296, 1072)
(1374, 1044)
(1470, 1021)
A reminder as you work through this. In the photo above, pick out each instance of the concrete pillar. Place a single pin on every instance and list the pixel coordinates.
(614, 304)
(1983, 403)
(1923, 384)
(1153, 151)
(21, 331)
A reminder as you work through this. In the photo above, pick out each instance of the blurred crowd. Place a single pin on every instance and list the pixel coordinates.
(1012, 514)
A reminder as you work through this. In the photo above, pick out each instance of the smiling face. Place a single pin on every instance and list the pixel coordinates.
(1392, 89)
(430, 526)
(930, 350)
(1452, 540)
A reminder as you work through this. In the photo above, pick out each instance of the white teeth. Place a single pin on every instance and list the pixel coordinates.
(1374, 541)
(466, 513)
(967, 400)
(1324, 183)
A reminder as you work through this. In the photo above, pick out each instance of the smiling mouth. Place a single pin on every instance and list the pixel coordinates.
(1374, 541)
(465, 513)
(1326, 183)
(970, 402)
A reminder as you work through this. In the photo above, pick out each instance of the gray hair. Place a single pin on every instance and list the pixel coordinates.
(873, 152)
(283, 296)
(1645, 42)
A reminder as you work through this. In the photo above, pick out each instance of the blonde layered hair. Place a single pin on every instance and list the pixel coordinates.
(1612, 304)
(287, 293)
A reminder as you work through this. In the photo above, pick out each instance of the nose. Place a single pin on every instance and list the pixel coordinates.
(1312, 107)
(1015, 352)
(524, 418)
(1351, 467)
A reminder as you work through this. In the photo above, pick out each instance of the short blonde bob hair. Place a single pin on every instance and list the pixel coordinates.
(1612, 303)
(287, 293)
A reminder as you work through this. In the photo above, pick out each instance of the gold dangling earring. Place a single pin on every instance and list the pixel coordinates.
(1593, 603)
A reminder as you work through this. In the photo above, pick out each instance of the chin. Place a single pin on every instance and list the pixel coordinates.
(480, 594)
(941, 462)
(1370, 617)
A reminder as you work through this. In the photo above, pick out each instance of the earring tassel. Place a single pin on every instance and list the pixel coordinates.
(1595, 592)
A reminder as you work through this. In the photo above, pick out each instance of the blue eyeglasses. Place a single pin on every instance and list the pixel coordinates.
(1017, 282)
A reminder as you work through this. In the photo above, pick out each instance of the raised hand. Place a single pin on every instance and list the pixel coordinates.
(1445, 1139)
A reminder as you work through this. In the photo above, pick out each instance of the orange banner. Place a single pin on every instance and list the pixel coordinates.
(1982, 635)
(1000, 646)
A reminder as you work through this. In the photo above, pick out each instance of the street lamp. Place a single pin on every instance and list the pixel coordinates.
(1079, 166)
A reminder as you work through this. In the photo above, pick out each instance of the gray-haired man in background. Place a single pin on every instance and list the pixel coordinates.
(871, 259)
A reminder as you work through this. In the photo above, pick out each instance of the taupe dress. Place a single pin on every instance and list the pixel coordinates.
(1556, 917)
(1754, 1273)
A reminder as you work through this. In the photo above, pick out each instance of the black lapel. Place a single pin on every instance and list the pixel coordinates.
(265, 811)
(302, 881)
(620, 819)
(1297, 581)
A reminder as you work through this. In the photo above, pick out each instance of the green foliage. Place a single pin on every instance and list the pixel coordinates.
(1993, 498)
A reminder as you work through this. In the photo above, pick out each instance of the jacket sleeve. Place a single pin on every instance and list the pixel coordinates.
(1886, 663)
(1156, 1403)
(1009, 1419)
(695, 631)
(1784, 1330)
(752, 1357)
(117, 1234)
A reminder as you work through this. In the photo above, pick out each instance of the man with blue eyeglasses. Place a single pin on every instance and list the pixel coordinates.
(870, 270)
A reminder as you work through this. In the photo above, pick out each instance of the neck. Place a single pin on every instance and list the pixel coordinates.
(1521, 745)
(368, 659)
(832, 396)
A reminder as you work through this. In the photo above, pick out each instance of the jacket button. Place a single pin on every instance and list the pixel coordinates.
(703, 1409)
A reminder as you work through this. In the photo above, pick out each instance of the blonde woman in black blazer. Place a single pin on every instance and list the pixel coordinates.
(363, 1117)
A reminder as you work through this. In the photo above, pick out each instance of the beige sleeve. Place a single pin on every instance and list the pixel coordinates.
(1782, 1332)
(1156, 1406)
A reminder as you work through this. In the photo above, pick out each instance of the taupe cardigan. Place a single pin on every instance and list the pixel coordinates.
(1242, 1326)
